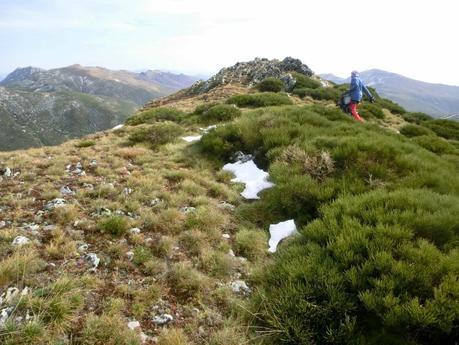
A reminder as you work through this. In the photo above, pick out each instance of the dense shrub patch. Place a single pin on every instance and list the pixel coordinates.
(444, 128)
(156, 134)
(258, 100)
(412, 130)
(417, 118)
(389, 105)
(376, 262)
(368, 110)
(156, 114)
(318, 93)
(303, 81)
(270, 85)
(374, 267)
(219, 113)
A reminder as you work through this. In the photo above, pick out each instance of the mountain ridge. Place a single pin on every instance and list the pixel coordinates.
(45, 107)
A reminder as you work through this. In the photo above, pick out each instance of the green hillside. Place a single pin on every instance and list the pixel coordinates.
(154, 244)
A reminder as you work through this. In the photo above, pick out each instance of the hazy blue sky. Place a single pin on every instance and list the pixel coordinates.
(414, 38)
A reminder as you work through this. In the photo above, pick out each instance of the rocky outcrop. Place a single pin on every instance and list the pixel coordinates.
(252, 72)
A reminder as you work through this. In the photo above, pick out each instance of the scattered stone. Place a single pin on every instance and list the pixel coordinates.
(83, 248)
(227, 236)
(20, 241)
(162, 319)
(102, 212)
(134, 231)
(93, 259)
(226, 206)
(127, 191)
(231, 253)
(7, 172)
(93, 163)
(88, 186)
(149, 241)
(32, 227)
(133, 324)
(155, 202)
(55, 203)
(77, 170)
(50, 227)
(4, 315)
(130, 255)
(120, 213)
(188, 209)
(65, 190)
(2, 224)
(240, 156)
(240, 287)
(8, 296)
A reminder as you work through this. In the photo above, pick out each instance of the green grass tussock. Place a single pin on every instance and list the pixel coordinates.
(156, 134)
(270, 85)
(156, 114)
(258, 100)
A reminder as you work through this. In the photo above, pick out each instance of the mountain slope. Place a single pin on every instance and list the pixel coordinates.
(435, 99)
(46, 107)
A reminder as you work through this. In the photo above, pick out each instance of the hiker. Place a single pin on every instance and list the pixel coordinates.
(356, 90)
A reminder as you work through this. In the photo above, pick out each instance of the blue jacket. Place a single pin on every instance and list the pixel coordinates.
(358, 88)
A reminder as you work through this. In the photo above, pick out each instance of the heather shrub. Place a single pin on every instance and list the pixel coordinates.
(320, 93)
(270, 85)
(447, 129)
(412, 130)
(304, 82)
(219, 113)
(200, 109)
(156, 134)
(434, 144)
(374, 267)
(258, 100)
(417, 118)
(156, 114)
(388, 104)
(368, 110)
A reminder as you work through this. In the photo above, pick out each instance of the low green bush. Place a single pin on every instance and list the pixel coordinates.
(434, 144)
(202, 108)
(156, 114)
(270, 85)
(374, 268)
(412, 130)
(114, 225)
(447, 129)
(220, 113)
(258, 100)
(368, 110)
(305, 82)
(389, 105)
(321, 93)
(156, 134)
(85, 143)
(417, 118)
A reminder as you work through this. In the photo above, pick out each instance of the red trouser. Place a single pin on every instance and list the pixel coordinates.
(353, 110)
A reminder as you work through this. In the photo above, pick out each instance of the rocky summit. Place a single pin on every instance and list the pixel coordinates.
(252, 72)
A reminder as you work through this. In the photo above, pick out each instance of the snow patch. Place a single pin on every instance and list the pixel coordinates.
(280, 231)
(117, 127)
(190, 139)
(254, 178)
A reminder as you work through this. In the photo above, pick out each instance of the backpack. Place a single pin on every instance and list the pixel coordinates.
(344, 101)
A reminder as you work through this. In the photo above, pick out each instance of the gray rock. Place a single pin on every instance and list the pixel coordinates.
(240, 287)
(241, 157)
(251, 73)
(226, 206)
(130, 255)
(49, 227)
(188, 209)
(55, 203)
(93, 163)
(83, 248)
(20, 241)
(4, 315)
(93, 259)
(65, 190)
(162, 319)
(135, 231)
(2, 224)
(88, 186)
(133, 324)
(7, 172)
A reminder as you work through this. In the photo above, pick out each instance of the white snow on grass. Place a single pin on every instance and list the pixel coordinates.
(255, 179)
(191, 138)
(280, 231)
(117, 127)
